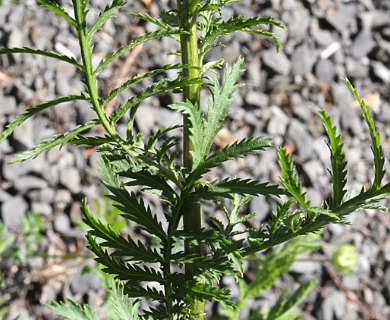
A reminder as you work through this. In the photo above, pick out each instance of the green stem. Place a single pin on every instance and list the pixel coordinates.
(187, 12)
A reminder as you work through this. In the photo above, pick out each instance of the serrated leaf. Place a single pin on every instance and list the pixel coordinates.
(337, 157)
(45, 53)
(121, 270)
(124, 248)
(290, 178)
(202, 291)
(148, 18)
(33, 111)
(196, 128)
(146, 178)
(379, 160)
(106, 14)
(161, 86)
(227, 187)
(218, 108)
(127, 202)
(71, 310)
(238, 149)
(53, 6)
(138, 78)
(132, 44)
(241, 24)
(123, 307)
(56, 140)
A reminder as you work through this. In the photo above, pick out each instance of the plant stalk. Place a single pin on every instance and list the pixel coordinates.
(187, 12)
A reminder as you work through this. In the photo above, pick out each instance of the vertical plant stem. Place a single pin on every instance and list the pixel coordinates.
(187, 12)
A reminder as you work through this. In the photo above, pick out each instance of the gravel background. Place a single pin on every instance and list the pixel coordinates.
(324, 41)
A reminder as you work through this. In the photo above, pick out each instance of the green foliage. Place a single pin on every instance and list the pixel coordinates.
(19, 246)
(169, 255)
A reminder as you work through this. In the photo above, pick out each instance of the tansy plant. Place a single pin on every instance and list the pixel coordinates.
(175, 273)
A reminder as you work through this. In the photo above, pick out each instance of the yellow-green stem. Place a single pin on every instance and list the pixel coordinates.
(187, 10)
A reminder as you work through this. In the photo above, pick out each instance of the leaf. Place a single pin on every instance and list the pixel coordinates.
(107, 13)
(161, 86)
(241, 24)
(196, 128)
(337, 157)
(218, 108)
(33, 111)
(133, 209)
(290, 178)
(146, 178)
(379, 160)
(45, 53)
(121, 270)
(202, 291)
(53, 6)
(148, 18)
(365, 199)
(137, 78)
(56, 140)
(71, 310)
(226, 188)
(124, 309)
(122, 247)
(236, 150)
(132, 44)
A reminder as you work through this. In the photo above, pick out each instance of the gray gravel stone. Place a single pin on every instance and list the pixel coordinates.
(303, 59)
(84, 282)
(381, 71)
(325, 70)
(363, 44)
(278, 62)
(26, 183)
(258, 99)
(7, 105)
(301, 139)
(70, 178)
(12, 211)
(278, 122)
(43, 208)
(61, 223)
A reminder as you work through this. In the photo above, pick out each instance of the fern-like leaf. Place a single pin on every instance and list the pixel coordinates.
(128, 203)
(131, 45)
(161, 86)
(33, 111)
(123, 307)
(45, 53)
(218, 109)
(196, 127)
(379, 160)
(152, 181)
(54, 7)
(71, 310)
(290, 178)
(123, 248)
(121, 270)
(238, 149)
(241, 24)
(56, 140)
(337, 157)
(138, 78)
(106, 14)
(226, 188)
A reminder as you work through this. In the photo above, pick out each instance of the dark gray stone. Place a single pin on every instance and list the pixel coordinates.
(298, 21)
(83, 282)
(12, 211)
(278, 62)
